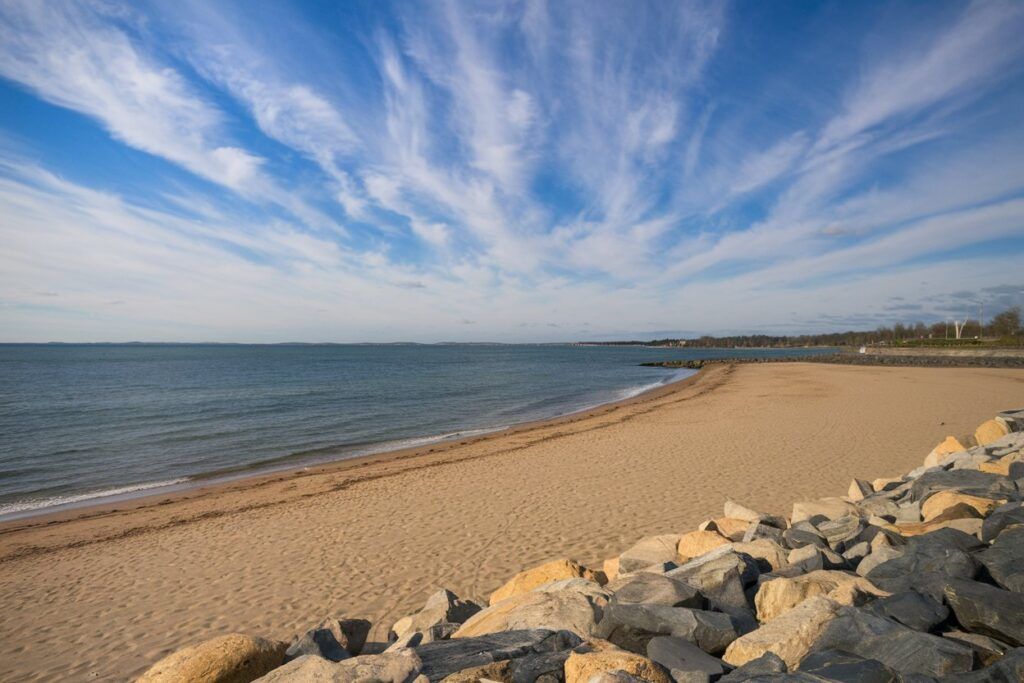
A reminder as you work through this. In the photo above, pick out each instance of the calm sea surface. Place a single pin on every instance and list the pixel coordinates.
(79, 423)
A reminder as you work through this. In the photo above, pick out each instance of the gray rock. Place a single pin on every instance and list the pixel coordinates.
(810, 558)
(647, 551)
(767, 664)
(881, 505)
(441, 610)
(683, 660)
(802, 534)
(1003, 516)
(444, 657)
(654, 589)
(910, 608)
(985, 609)
(631, 627)
(834, 665)
(394, 667)
(1009, 669)
(737, 511)
(720, 576)
(903, 649)
(332, 639)
(855, 553)
(971, 482)
(758, 530)
(986, 650)
(1005, 559)
(838, 532)
(927, 563)
(879, 556)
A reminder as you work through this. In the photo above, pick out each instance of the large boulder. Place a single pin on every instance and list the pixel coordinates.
(950, 445)
(766, 552)
(573, 605)
(647, 551)
(654, 589)
(580, 668)
(910, 608)
(683, 660)
(764, 668)
(332, 639)
(986, 649)
(632, 626)
(720, 576)
(1004, 560)
(526, 581)
(942, 501)
(836, 665)
(729, 527)
(529, 652)
(905, 650)
(990, 431)
(791, 636)
(402, 666)
(778, 596)
(841, 533)
(927, 562)
(985, 609)
(1007, 669)
(736, 511)
(441, 616)
(234, 658)
(697, 543)
(971, 482)
(1000, 518)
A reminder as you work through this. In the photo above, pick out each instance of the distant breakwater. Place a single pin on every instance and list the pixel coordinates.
(853, 358)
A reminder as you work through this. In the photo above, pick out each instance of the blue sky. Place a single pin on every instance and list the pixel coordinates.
(508, 171)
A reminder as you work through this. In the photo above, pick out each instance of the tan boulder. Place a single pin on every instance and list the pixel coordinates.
(950, 445)
(778, 596)
(234, 658)
(859, 490)
(579, 668)
(730, 527)
(989, 431)
(1000, 466)
(572, 604)
(400, 666)
(968, 525)
(764, 549)
(790, 636)
(526, 581)
(611, 568)
(493, 671)
(831, 508)
(937, 503)
(880, 483)
(697, 543)
(647, 551)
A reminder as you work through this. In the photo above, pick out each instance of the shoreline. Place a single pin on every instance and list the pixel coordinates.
(208, 485)
(127, 493)
(372, 539)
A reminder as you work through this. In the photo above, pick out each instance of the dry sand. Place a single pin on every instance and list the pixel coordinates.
(100, 594)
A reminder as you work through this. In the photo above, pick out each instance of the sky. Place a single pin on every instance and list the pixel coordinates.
(505, 171)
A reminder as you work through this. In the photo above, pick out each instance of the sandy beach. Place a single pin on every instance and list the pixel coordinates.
(101, 593)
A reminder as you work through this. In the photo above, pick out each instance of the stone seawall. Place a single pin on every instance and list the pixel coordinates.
(911, 579)
(853, 358)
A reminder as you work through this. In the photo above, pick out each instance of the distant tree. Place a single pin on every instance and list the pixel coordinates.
(1007, 323)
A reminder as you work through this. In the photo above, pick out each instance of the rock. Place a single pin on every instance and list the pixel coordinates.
(720, 576)
(859, 489)
(617, 676)
(579, 668)
(825, 508)
(697, 543)
(526, 581)
(440, 617)
(791, 636)
(986, 650)
(927, 562)
(763, 549)
(778, 596)
(835, 665)
(737, 511)
(910, 608)
(611, 568)
(1000, 518)
(632, 626)
(495, 671)
(971, 482)
(729, 527)
(967, 525)
(990, 431)
(950, 445)
(572, 604)
(402, 666)
(905, 650)
(988, 610)
(855, 553)
(803, 534)
(234, 658)
(331, 639)
(1004, 560)
(839, 532)
(767, 664)
(877, 557)
(525, 648)
(1006, 670)
(938, 503)
(810, 558)
(648, 551)
(654, 589)
(886, 483)
(1003, 466)
(683, 660)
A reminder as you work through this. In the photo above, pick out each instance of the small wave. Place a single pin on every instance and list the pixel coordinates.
(630, 392)
(54, 501)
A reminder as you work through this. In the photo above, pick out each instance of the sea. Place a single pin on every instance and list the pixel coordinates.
(82, 424)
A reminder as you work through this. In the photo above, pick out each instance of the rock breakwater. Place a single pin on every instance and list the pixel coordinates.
(913, 579)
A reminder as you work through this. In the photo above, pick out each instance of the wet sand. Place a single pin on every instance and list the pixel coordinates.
(100, 593)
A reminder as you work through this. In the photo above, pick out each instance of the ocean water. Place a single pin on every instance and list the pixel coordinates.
(80, 423)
